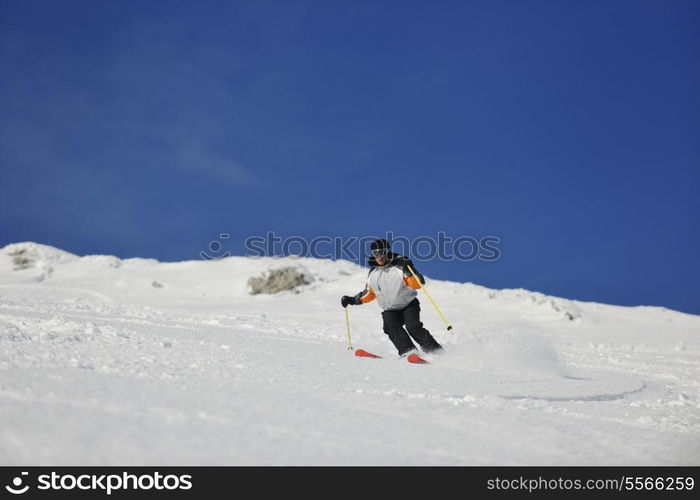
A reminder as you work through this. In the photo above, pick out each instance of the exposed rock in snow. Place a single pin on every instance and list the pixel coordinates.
(278, 280)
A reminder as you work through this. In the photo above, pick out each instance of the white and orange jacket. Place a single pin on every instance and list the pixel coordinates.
(392, 286)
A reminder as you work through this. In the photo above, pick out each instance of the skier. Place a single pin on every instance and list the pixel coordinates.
(394, 286)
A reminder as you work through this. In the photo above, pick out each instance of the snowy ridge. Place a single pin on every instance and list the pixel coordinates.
(107, 361)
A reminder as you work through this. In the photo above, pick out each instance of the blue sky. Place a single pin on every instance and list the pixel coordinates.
(568, 129)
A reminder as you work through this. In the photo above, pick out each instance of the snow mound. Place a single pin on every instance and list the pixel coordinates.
(26, 256)
(38, 253)
(183, 365)
(102, 260)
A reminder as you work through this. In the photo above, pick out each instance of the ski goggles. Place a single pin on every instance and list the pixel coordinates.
(380, 251)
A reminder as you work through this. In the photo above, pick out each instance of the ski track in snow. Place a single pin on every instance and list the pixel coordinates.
(99, 367)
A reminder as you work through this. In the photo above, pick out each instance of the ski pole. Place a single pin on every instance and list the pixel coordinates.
(449, 327)
(347, 324)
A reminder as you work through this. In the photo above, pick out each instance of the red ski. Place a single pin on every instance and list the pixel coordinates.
(412, 358)
(415, 358)
(364, 354)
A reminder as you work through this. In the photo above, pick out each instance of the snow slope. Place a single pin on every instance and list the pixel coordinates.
(111, 361)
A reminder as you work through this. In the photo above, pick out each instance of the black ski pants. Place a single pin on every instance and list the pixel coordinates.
(394, 321)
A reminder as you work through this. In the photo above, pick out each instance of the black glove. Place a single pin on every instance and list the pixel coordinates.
(403, 262)
(346, 301)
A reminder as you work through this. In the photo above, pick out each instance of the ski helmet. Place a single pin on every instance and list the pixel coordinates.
(380, 247)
